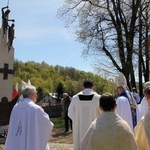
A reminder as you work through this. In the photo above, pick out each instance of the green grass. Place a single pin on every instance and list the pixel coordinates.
(58, 122)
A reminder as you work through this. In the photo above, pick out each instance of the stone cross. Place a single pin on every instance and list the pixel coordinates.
(6, 71)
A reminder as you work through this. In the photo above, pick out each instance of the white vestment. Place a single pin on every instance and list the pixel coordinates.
(142, 132)
(136, 97)
(109, 132)
(124, 110)
(29, 127)
(83, 113)
(143, 107)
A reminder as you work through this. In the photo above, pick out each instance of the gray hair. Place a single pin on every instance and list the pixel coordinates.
(27, 91)
(147, 84)
(65, 94)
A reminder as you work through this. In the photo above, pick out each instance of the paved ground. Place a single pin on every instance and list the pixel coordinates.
(1, 147)
(61, 146)
(58, 141)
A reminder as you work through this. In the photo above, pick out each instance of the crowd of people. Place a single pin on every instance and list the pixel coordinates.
(96, 121)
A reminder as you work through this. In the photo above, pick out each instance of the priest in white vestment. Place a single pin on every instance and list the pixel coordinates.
(109, 131)
(126, 104)
(83, 110)
(142, 130)
(29, 127)
(136, 95)
(143, 107)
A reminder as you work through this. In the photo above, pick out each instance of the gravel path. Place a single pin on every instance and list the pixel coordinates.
(60, 146)
(53, 146)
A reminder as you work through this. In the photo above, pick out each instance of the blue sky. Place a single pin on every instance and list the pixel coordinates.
(41, 36)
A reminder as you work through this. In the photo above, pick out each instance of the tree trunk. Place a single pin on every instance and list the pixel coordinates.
(140, 55)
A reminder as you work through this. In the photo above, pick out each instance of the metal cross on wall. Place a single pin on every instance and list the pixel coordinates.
(6, 71)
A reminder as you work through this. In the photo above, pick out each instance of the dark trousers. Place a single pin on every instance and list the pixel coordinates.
(67, 120)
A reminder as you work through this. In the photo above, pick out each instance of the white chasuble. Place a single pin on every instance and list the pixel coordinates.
(142, 132)
(29, 127)
(109, 132)
(83, 110)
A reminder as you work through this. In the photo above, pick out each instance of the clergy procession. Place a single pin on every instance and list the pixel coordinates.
(118, 123)
(98, 121)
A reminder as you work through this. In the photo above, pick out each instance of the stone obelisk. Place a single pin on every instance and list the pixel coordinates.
(6, 66)
(6, 70)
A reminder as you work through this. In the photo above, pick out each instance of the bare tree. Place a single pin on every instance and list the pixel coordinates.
(143, 46)
(108, 28)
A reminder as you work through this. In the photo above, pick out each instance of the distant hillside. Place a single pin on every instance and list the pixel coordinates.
(56, 79)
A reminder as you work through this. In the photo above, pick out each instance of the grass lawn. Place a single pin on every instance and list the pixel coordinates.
(58, 122)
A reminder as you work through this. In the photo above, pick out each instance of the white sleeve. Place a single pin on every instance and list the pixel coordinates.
(85, 141)
(71, 109)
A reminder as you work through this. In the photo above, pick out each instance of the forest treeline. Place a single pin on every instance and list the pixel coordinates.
(56, 79)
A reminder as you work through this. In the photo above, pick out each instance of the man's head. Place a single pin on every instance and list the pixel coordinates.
(134, 89)
(107, 102)
(120, 89)
(88, 83)
(65, 95)
(30, 92)
(147, 84)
